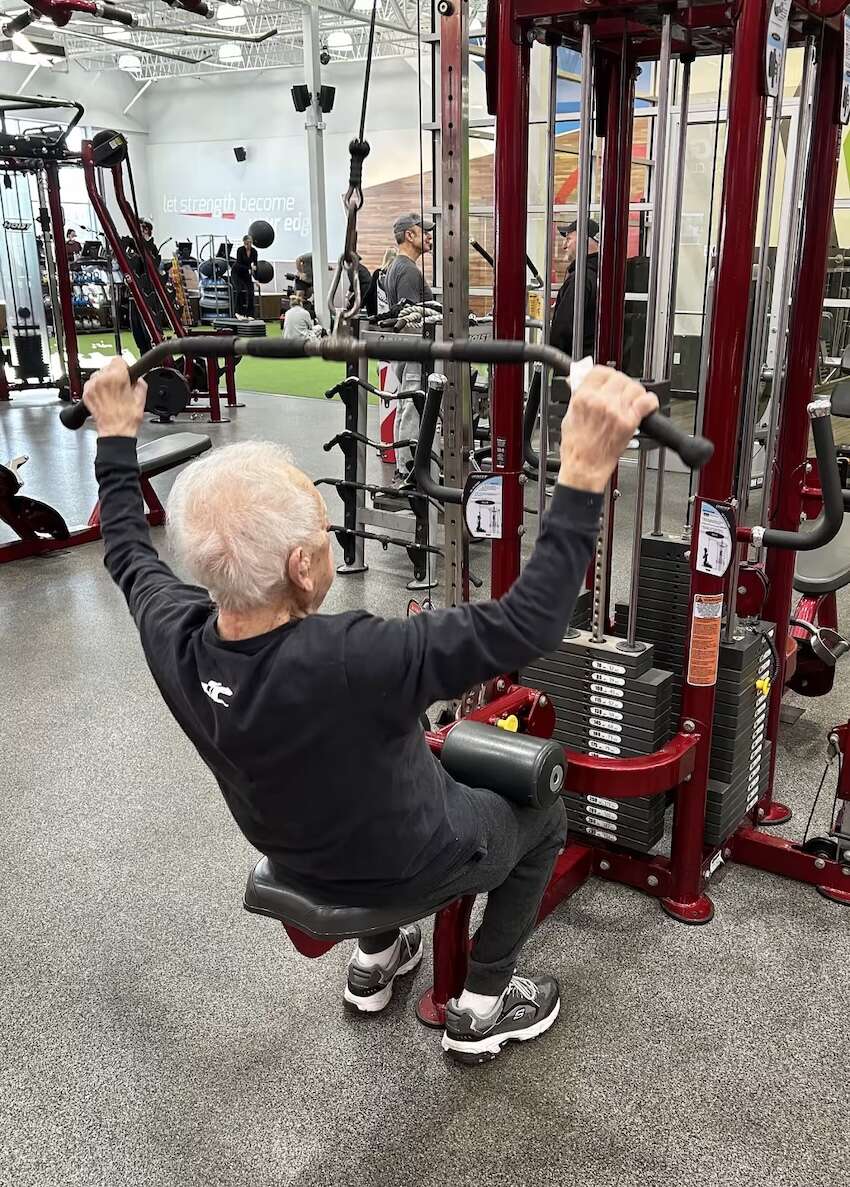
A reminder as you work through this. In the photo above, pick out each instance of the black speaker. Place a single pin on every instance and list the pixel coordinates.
(301, 97)
(326, 98)
(240, 154)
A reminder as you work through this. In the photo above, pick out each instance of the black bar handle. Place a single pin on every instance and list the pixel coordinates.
(694, 451)
(424, 446)
(120, 15)
(828, 524)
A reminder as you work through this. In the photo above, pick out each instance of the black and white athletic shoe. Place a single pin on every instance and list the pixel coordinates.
(369, 989)
(528, 1009)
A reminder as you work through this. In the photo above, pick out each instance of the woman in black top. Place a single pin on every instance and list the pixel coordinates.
(243, 277)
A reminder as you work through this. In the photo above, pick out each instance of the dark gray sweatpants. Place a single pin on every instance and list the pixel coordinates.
(513, 865)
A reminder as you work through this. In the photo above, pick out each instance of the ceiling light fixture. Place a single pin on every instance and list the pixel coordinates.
(363, 6)
(129, 62)
(231, 15)
(339, 40)
(230, 52)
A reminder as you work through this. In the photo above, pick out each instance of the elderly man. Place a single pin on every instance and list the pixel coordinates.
(310, 722)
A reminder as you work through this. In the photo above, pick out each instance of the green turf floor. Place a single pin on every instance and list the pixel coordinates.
(290, 377)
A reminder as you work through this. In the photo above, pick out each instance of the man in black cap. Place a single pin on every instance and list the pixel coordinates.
(561, 332)
(405, 281)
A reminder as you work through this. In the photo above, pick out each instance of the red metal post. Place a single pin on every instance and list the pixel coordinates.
(803, 336)
(114, 240)
(727, 348)
(63, 280)
(511, 215)
(451, 960)
(151, 268)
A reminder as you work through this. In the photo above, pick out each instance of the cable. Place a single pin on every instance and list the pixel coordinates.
(817, 797)
(368, 70)
(691, 478)
(428, 562)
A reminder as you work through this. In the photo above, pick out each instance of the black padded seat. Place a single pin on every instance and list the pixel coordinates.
(840, 401)
(825, 569)
(167, 452)
(265, 894)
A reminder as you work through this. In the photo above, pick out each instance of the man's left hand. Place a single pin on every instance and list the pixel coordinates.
(117, 407)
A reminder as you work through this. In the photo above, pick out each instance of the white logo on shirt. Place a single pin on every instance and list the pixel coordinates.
(215, 691)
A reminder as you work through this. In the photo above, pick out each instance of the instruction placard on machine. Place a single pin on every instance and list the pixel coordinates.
(715, 540)
(482, 503)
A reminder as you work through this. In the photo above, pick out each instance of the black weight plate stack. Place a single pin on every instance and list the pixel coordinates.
(664, 592)
(612, 704)
(740, 753)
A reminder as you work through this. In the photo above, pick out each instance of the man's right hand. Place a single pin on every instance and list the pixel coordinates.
(602, 418)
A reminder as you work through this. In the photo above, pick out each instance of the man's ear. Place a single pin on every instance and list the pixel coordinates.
(298, 569)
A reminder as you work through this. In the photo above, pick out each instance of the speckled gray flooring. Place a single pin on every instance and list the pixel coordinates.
(152, 1033)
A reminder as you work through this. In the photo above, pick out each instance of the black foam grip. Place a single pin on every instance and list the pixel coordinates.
(74, 416)
(111, 13)
(694, 451)
(529, 771)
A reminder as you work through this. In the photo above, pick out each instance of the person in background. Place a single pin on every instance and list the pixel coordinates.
(243, 277)
(297, 322)
(377, 301)
(141, 336)
(561, 333)
(73, 247)
(405, 281)
(304, 281)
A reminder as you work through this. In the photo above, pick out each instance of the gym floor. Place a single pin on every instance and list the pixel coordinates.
(153, 1033)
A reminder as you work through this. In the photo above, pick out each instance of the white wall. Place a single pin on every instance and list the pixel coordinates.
(194, 124)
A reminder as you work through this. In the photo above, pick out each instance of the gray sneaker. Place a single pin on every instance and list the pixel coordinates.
(369, 989)
(529, 1007)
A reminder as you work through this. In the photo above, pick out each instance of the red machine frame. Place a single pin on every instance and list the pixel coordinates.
(620, 39)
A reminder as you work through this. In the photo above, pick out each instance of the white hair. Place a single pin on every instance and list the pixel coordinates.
(235, 516)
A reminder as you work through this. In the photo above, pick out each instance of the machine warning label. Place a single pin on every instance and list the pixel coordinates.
(704, 651)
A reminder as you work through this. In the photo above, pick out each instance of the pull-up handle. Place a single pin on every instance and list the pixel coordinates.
(694, 451)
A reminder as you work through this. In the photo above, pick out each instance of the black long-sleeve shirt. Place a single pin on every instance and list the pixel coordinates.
(312, 730)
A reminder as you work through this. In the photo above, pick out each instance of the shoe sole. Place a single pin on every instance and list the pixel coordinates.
(483, 1050)
(379, 1001)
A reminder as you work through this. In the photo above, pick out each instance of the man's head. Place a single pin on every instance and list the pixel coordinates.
(252, 529)
(71, 234)
(571, 239)
(412, 235)
(147, 228)
(248, 241)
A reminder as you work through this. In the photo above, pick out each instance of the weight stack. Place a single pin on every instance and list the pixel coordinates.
(611, 704)
(664, 591)
(740, 752)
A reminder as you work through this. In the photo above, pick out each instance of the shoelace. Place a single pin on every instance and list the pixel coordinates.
(523, 987)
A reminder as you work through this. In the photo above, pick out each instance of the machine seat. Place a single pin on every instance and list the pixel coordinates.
(840, 401)
(825, 569)
(265, 894)
(167, 452)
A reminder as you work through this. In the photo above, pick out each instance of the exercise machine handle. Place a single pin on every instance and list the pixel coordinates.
(120, 15)
(835, 498)
(694, 451)
(425, 444)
